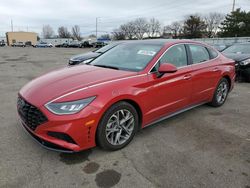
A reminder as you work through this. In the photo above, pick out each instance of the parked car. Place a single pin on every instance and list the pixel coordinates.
(28, 43)
(89, 56)
(43, 45)
(85, 44)
(240, 52)
(221, 47)
(74, 44)
(131, 86)
(65, 45)
(2, 43)
(18, 44)
(98, 44)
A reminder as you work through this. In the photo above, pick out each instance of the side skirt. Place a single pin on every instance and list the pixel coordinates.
(174, 114)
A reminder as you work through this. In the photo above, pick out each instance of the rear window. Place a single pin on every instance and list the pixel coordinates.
(213, 53)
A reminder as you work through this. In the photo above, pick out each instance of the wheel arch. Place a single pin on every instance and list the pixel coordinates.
(131, 102)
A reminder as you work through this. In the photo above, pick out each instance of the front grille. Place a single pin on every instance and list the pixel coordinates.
(30, 114)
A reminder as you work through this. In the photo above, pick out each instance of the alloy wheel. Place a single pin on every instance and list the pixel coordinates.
(120, 127)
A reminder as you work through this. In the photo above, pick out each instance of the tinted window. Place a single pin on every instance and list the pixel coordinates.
(213, 54)
(175, 55)
(199, 53)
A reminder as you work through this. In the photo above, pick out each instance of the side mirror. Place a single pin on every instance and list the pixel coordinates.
(167, 68)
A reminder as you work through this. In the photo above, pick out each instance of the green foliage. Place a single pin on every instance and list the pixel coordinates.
(194, 27)
(236, 23)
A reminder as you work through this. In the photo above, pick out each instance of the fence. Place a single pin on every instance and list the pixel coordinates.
(228, 40)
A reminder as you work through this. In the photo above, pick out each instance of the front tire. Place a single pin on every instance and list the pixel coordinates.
(118, 126)
(220, 93)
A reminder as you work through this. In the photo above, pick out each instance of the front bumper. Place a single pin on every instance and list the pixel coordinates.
(65, 133)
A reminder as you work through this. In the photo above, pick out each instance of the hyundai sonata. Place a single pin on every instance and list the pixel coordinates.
(131, 86)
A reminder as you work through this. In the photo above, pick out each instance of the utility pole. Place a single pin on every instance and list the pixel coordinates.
(96, 28)
(233, 5)
(11, 25)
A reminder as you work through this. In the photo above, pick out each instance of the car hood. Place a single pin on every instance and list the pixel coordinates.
(85, 56)
(237, 57)
(62, 81)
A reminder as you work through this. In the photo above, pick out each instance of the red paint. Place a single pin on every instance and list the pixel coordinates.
(156, 96)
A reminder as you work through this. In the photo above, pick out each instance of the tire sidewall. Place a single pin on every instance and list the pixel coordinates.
(101, 129)
(215, 101)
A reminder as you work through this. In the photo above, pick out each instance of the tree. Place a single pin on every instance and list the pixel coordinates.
(141, 27)
(154, 27)
(118, 34)
(128, 29)
(213, 21)
(194, 27)
(63, 32)
(76, 32)
(175, 29)
(236, 23)
(47, 32)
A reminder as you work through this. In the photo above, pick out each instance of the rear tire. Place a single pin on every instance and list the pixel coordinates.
(220, 93)
(117, 127)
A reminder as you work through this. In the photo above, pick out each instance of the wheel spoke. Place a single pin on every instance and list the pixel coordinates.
(120, 127)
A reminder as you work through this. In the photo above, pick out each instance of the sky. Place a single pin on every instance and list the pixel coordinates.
(31, 15)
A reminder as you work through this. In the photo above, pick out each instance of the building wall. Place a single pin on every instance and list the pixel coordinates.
(21, 37)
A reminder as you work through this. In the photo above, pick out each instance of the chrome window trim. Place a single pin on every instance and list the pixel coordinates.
(185, 43)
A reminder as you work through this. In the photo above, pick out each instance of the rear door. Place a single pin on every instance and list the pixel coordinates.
(172, 91)
(205, 72)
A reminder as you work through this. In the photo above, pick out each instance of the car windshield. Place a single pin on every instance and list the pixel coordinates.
(129, 56)
(106, 48)
(238, 48)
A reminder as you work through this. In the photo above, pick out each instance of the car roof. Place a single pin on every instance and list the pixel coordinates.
(159, 41)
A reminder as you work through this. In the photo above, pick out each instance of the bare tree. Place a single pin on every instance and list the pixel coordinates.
(76, 32)
(175, 29)
(118, 34)
(154, 27)
(141, 27)
(128, 29)
(47, 32)
(63, 32)
(213, 21)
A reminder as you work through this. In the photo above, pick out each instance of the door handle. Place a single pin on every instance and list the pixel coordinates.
(187, 77)
(216, 69)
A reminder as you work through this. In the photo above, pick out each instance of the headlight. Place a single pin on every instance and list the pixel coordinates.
(69, 107)
(245, 62)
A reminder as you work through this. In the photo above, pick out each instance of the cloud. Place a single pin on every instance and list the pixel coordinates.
(32, 15)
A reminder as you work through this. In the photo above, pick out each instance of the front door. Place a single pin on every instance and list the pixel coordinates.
(172, 91)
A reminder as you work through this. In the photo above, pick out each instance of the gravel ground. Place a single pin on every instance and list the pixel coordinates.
(204, 147)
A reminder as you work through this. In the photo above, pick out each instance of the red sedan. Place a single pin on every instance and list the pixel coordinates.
(133, 85)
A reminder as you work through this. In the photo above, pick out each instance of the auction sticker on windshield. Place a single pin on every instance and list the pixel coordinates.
(146, 52)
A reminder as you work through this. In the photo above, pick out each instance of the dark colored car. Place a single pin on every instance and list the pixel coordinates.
(221, 47)
(130, 87)
(87, 57)
(241, 54)
(86, 44)
(98, 44)
(2, 43)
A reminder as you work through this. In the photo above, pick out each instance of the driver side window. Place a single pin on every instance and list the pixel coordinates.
(175, 55)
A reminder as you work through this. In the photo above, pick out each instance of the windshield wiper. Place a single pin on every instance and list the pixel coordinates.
(107, 66)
